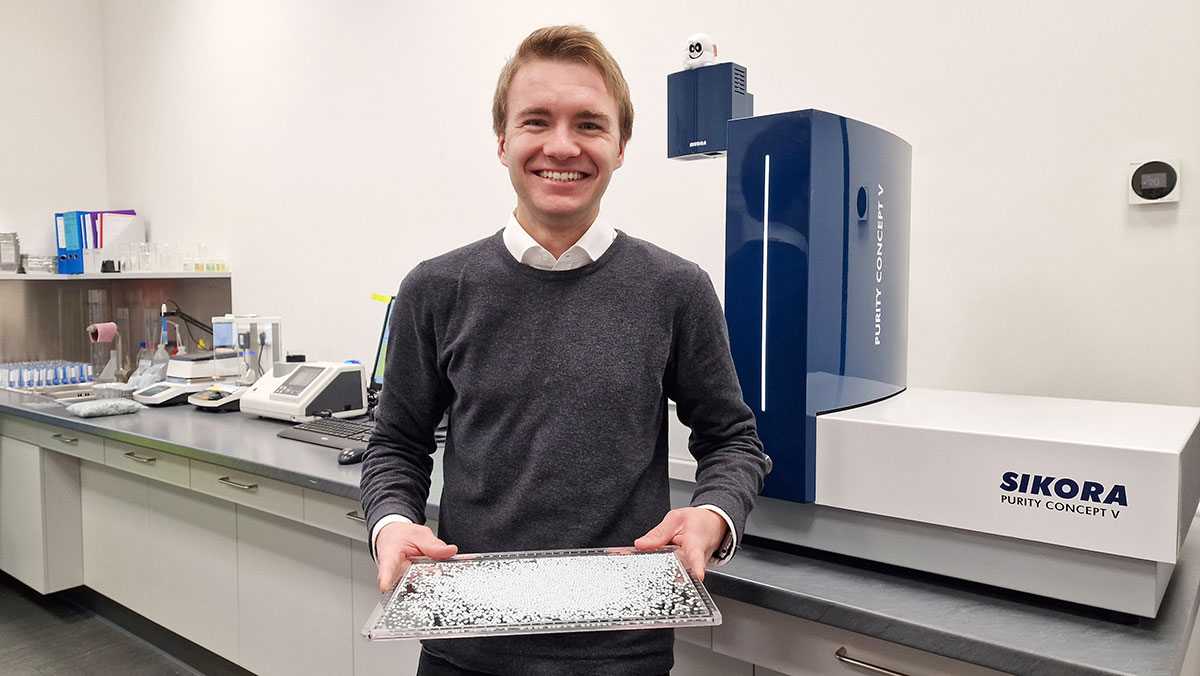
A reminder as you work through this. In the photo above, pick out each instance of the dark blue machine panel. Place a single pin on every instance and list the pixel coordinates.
(818, 317)
(699, 103)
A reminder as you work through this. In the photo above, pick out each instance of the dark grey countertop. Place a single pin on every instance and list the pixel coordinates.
(232, 440)
(1007, 632)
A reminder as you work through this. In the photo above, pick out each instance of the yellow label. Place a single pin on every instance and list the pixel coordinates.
(382, 298)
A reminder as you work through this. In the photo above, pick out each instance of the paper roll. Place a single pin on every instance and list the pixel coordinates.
(102, 333)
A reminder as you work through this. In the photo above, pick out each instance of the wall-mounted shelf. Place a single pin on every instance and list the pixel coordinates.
(45, 316)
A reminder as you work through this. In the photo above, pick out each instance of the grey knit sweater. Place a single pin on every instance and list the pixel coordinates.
(556, 384)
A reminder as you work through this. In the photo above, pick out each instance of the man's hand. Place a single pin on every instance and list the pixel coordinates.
(698, 532)
(398, 542)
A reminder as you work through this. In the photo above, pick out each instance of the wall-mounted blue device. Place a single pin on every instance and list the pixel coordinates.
(816, 276)
(700, 101)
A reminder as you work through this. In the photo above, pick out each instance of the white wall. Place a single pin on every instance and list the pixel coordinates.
(330, 145)
(51, 116)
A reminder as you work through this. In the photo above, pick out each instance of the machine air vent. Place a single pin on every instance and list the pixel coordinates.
(739, 79)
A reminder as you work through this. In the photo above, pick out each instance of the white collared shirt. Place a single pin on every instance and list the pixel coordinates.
(588, 249)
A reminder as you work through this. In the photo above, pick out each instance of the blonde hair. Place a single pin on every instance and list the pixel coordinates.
(565, 43)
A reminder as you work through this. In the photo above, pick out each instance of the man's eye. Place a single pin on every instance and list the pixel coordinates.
(535, 123)
(590, 126)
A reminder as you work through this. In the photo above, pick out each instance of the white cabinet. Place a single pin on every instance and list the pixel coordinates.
(371, 658)
(279, 580)
(193, 567)
(39, 516)
(294, 595)
(51, 438)
(798, 647)
(693, 660)
(164, 552)
(116, 535)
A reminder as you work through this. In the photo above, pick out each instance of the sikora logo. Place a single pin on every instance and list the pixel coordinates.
(1067, 489)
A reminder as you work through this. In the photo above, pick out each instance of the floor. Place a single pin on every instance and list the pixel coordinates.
(43, 635)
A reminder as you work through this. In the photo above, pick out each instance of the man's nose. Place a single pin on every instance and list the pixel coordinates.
(562, 143)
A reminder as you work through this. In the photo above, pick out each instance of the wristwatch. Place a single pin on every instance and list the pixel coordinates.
(725, 550)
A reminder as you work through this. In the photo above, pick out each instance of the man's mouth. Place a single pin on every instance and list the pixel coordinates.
(563, 176)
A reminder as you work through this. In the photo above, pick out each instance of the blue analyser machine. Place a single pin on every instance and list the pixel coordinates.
(816, 276)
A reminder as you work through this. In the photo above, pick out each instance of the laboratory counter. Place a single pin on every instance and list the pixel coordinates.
(983, 626)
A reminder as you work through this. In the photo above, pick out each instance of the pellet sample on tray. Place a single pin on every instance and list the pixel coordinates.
(542, 592)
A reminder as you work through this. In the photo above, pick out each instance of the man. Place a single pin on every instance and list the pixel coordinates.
(554, 345)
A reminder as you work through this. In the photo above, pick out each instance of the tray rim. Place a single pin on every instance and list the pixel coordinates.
(369, 630)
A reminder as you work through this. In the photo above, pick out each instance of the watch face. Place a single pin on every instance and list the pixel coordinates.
(1154, 180)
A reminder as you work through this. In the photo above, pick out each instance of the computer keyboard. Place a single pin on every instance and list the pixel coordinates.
(342, 434)
(332, 432)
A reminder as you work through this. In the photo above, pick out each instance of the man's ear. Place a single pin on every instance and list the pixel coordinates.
(620, 156)
(500, 150)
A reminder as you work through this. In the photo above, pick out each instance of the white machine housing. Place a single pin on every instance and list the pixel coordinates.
(169, 392)
(203, 365)
(187, 374)
(1084, 501)
(219, 397)
(300, 392)
(257, 339)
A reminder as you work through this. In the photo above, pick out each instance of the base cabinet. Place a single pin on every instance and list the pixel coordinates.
(39, 516)
(164, 552)
(193, 567)
(294, 597)
(375, 658)
(797, 647)
(281, 595)
(693, 660)
(116, 535)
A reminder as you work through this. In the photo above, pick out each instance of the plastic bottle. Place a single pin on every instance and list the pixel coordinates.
(158, 363)
(144, 356)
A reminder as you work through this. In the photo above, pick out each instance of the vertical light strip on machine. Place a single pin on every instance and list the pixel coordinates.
(766, 220)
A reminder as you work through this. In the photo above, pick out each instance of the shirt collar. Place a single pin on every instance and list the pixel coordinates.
(590, 247)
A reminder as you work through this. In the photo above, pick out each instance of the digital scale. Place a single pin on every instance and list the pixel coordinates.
(301, 392)
(219, 398)
(188, 373)
(168, 392)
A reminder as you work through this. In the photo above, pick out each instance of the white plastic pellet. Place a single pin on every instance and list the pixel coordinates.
(541, 592)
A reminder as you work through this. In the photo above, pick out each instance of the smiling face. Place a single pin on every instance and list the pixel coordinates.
(700, 51)
(560, 144)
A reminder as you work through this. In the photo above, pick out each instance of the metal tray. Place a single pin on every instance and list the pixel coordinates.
(542, 592)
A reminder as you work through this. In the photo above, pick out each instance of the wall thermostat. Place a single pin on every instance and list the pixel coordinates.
(1154, 182)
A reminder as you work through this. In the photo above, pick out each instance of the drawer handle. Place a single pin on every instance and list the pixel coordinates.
(867, 666)
(65, 440)
(233, 484)
(134, 456)
(355, 516)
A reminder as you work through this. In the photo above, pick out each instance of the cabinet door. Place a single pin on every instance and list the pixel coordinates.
(693, 660)
(798, 647)
(40, 541)
(116, 540)
(193, 567)
(375, 657)
(22, 545)
(294, 594)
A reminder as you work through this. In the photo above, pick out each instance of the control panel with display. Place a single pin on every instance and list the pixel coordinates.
(1154, 182)
(300, 392)
(168, 393)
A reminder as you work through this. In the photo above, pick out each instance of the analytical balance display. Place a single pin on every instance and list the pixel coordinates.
(167, 393)
(303, 392)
